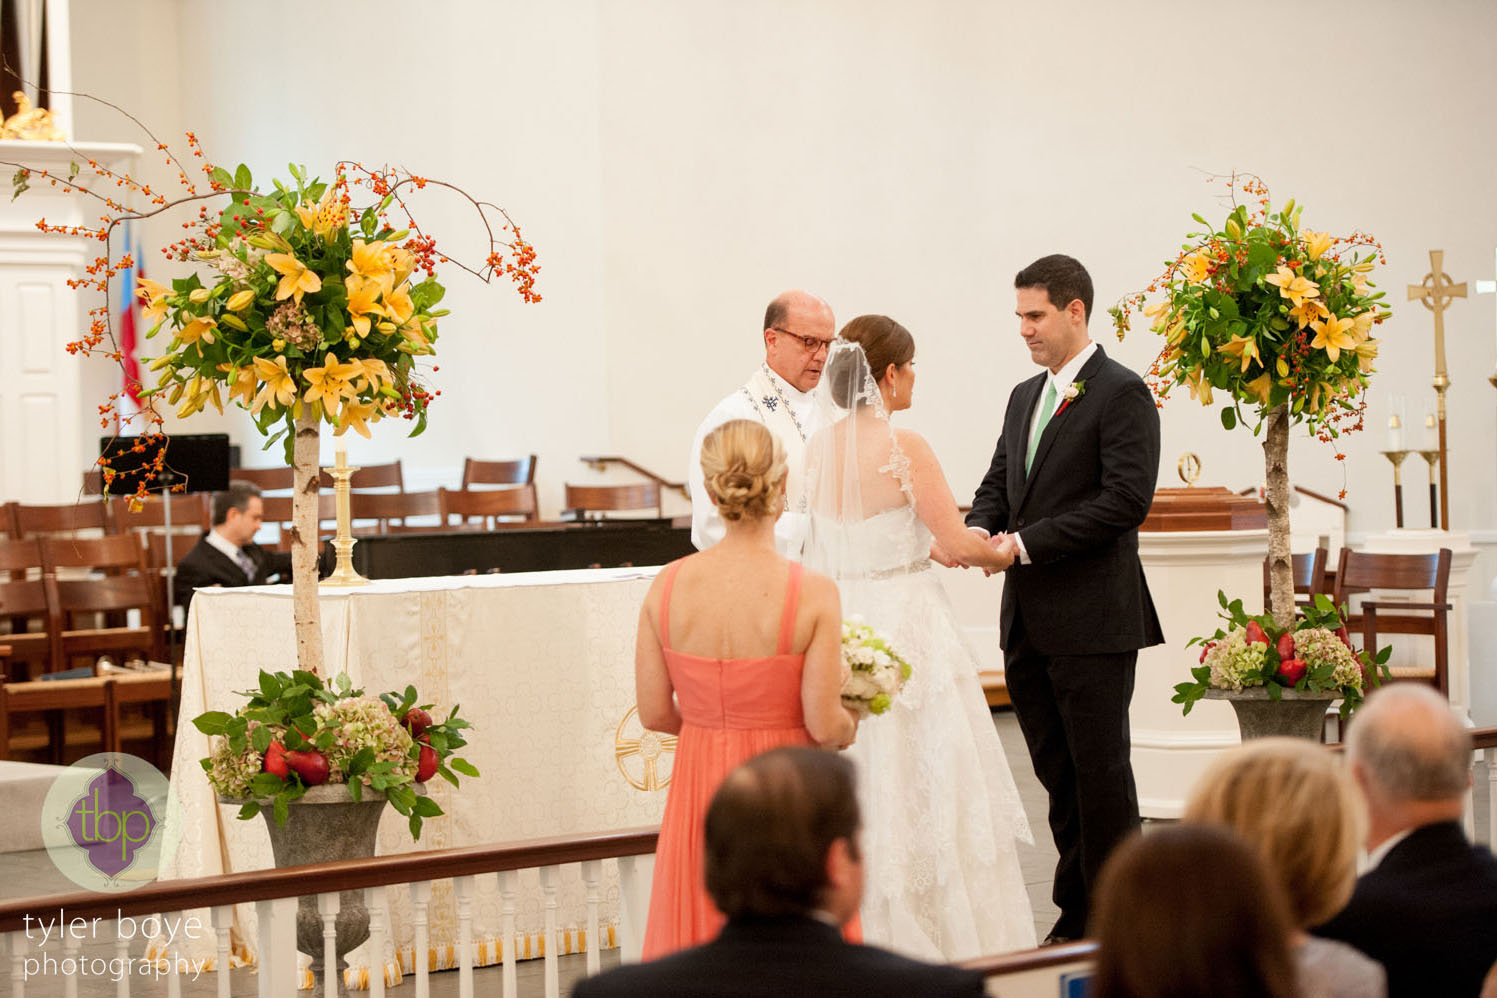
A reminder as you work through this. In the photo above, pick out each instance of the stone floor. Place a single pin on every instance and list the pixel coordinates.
(29, 874)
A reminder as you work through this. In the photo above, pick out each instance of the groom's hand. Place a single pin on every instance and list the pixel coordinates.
(1006, 546)
(940, 557)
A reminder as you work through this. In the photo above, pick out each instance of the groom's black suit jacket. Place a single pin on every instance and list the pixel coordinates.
(779, 958)
(1077, 512)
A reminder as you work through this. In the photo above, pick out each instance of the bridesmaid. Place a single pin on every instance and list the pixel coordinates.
(739, 651)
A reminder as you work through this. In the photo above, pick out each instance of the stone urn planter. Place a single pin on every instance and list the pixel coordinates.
(1296, 714)
(325, 825)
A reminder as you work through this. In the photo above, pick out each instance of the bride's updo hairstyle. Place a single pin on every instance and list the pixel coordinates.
(884, 342)
(744, 467)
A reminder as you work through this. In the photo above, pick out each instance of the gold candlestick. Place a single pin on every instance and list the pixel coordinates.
(1433, 457)
(343, 542)
(1397, 456)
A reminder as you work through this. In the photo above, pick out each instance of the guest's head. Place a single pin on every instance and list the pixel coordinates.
(1292, 802)
(782, 837)
(798, 329)
(1054, 302)
(1190, 910)
(1411, 756)
(889, 355)
(744, 468)
(237, 512)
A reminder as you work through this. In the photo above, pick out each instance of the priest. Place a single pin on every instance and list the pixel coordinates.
(798, 329)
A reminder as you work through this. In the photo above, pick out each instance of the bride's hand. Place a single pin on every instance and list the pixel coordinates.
(940, 557)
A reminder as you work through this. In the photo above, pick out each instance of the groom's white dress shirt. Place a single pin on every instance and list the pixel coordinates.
(706, 526)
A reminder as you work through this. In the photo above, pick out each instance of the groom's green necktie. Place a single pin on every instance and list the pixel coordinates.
(1041, 421)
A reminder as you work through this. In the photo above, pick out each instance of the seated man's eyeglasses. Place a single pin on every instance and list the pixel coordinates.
(813, 344)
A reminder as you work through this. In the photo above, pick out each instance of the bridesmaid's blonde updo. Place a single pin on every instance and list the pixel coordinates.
(744, 465)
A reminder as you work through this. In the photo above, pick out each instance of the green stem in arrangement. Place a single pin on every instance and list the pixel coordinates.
(304, 542)
(1276, 467)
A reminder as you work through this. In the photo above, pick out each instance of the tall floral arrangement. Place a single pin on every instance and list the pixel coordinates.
(1279, 320)
(312, 303)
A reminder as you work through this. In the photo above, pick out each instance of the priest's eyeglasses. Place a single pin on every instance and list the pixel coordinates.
(813, 344)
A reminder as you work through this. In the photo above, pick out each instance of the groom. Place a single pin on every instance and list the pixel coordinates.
(1072, 478)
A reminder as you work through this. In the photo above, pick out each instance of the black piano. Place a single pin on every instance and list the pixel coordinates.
(541, 547)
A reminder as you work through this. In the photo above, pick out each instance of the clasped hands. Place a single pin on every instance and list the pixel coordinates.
(1004, 545)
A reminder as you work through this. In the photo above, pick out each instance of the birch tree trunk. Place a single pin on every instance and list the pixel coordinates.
(305, 609)
(1280, 565)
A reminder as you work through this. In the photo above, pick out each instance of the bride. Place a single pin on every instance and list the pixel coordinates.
(940, 811)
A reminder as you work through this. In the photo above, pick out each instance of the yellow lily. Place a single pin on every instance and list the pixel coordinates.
(154, 295)
(1308, 311)
(332, 214)
(1316, 243)
(279, 386)
(242, 382)
(1260, 386)
(376, 371)
(363, 301)
(1244, 348)
(200, 328)
(202, 391)
(1333, 335)
(1361, 326)
(398, 304)
(296, 279)
(1295, 287)
(371, 261)
(1366, 354)
(415, 334)
(1200, 388)
(402, 262)
(1197, 268)
(240, 300)
(308, 215)
(356, 416)
(330, 383)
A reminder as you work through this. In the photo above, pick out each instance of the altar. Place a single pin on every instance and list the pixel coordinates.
(542, 665)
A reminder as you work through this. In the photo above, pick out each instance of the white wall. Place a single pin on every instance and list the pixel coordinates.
(678, 162)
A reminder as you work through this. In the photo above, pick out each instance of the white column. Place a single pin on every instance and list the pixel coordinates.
(1185, 570)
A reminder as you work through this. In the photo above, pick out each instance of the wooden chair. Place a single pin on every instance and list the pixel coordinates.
(489, 506)
(391, 510)
(278, 512)
(60, 725)
(195, 511)
(24, 601)
(1309, 576)
(268, 479)
(66, 518)
(371, 476)
(131, 589)
(140, 713)
(520, 472)
(584, 499)
(1363, 571)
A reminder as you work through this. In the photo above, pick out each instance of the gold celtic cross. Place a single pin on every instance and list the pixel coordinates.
(1435, 293)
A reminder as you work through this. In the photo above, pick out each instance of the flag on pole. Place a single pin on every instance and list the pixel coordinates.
(129, 401)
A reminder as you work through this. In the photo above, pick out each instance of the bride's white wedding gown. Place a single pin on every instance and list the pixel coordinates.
(941, 815)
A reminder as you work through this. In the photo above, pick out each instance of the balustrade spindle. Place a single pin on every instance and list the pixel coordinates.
(328, 906)
(223, 923)
(550, 942)
(592, 877)
(420, 900)
(122, 954)
(374, 900)
(18, 946)
(464, 889)
(276, 971)
(634, 904)
(509, 889)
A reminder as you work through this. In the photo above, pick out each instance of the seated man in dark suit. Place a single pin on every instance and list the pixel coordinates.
(782, 862)
(1427, 906)
(227, 555)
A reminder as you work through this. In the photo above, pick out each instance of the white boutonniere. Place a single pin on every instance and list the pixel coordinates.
(1071, 393)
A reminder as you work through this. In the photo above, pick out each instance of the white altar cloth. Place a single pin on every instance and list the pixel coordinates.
(542, 664)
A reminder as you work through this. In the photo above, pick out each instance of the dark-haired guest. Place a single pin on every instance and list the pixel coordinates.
(783, 863)
(1190, 912)
(1427, 907)
(227, 555)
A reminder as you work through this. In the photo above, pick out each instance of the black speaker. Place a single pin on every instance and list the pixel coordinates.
(199, 461)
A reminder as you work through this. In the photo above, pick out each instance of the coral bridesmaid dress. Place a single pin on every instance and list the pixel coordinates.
(732, 709)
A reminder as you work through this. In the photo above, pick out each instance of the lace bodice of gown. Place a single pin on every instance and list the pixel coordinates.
(883, 544)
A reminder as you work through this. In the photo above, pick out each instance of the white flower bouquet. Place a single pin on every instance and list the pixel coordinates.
(872, 671)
